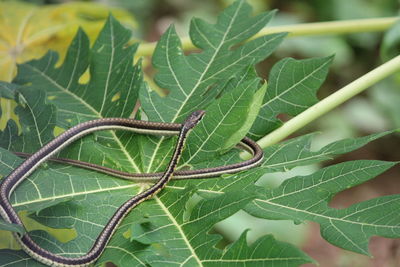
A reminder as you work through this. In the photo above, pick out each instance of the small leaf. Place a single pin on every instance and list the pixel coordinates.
(139, 229)
(251, 116)
(226, 122)
(37, 119)
(7, 90)
(292, 89)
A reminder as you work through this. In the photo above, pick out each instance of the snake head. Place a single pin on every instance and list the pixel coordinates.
(193, 119)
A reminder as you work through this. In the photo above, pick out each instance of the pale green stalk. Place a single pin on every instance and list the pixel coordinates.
(332, 27)
(329, 103)
(306, 29)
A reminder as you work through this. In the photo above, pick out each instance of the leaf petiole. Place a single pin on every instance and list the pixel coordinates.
(332, 27)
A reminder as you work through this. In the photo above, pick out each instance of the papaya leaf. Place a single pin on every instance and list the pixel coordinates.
(7, 90)
(287, 155)
(17, 257)
(38, 120)
(111, 92)
(292, 89)
(191, 80)
(307, 198)
(230, 114)
(197, 248)
(83, 200)
(175, 226)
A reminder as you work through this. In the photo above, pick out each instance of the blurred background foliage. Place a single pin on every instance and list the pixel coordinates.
(51, 24)
(28, 30)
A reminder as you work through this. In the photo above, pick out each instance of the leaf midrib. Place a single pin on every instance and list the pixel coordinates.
(34, 121)
(255, 260)
(297, 210)
(110, 67)
(179, 228)
(327, 217)
(75, 194)
(199, 81)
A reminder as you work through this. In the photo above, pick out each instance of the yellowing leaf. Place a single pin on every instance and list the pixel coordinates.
(27, 31)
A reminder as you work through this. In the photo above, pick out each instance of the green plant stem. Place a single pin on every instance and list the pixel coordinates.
(329, 103)
(333, 27)
(306, 29)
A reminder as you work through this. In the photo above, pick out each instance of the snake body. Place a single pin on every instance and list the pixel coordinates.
(10, 183)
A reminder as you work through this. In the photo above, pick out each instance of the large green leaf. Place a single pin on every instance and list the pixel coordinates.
(193, 80)
(307, 198)
(173, 233)
(174, 227)
(86, 199)
(111, 91)
(192, 245)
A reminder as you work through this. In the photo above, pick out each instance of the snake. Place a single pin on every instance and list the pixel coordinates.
(33, 161)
